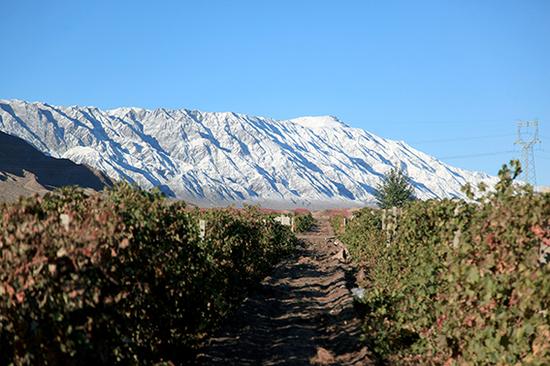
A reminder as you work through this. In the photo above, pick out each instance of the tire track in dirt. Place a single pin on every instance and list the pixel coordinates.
(302, 314)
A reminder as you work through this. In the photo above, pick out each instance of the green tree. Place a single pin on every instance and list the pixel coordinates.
(394, 190)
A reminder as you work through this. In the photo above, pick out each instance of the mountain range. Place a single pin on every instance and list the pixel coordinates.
(221, 158)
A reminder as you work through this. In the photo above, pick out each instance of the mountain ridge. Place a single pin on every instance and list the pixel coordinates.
(24, 171)
(219, 158)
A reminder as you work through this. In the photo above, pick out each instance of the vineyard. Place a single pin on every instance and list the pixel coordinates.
(457, 283)
(126, 276)
(123, 276)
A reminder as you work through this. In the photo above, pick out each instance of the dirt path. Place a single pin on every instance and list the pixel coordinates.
(302, 314)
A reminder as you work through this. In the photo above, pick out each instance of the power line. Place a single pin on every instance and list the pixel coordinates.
(441, 122)
(478, 155)
(462, 139)
(528, 137)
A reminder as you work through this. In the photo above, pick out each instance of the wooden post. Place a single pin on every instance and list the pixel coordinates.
(202, 228)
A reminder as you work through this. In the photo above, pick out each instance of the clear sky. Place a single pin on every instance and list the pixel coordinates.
(449, 77)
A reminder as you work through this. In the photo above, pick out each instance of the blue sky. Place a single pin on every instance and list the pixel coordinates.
(449, 77)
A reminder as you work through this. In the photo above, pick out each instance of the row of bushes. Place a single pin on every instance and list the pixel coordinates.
(337, 222)
(457, 283)
(304, 222)
(122, 276)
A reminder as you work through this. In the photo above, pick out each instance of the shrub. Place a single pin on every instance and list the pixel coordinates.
(303, 222)
(337, 224)
(120, 277)
(457, 282)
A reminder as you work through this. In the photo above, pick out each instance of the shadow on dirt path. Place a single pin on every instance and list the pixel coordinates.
(302, 314)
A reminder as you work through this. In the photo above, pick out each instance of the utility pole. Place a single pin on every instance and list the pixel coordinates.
(528, 137)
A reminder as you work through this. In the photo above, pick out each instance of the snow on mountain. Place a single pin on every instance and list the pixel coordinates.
(318, 122)
(224, 158)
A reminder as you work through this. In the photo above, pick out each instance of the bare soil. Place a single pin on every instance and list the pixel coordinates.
(303, 314)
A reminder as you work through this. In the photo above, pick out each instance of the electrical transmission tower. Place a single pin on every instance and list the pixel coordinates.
(528, 137)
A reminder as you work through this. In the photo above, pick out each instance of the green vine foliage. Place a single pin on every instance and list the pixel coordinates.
(458, 283)
(122, 277)
(337, 224)
(304, 222)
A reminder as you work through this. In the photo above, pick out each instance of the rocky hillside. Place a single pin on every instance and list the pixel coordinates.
(24, 171)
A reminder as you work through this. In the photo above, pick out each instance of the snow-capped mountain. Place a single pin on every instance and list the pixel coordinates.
(224, 158)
